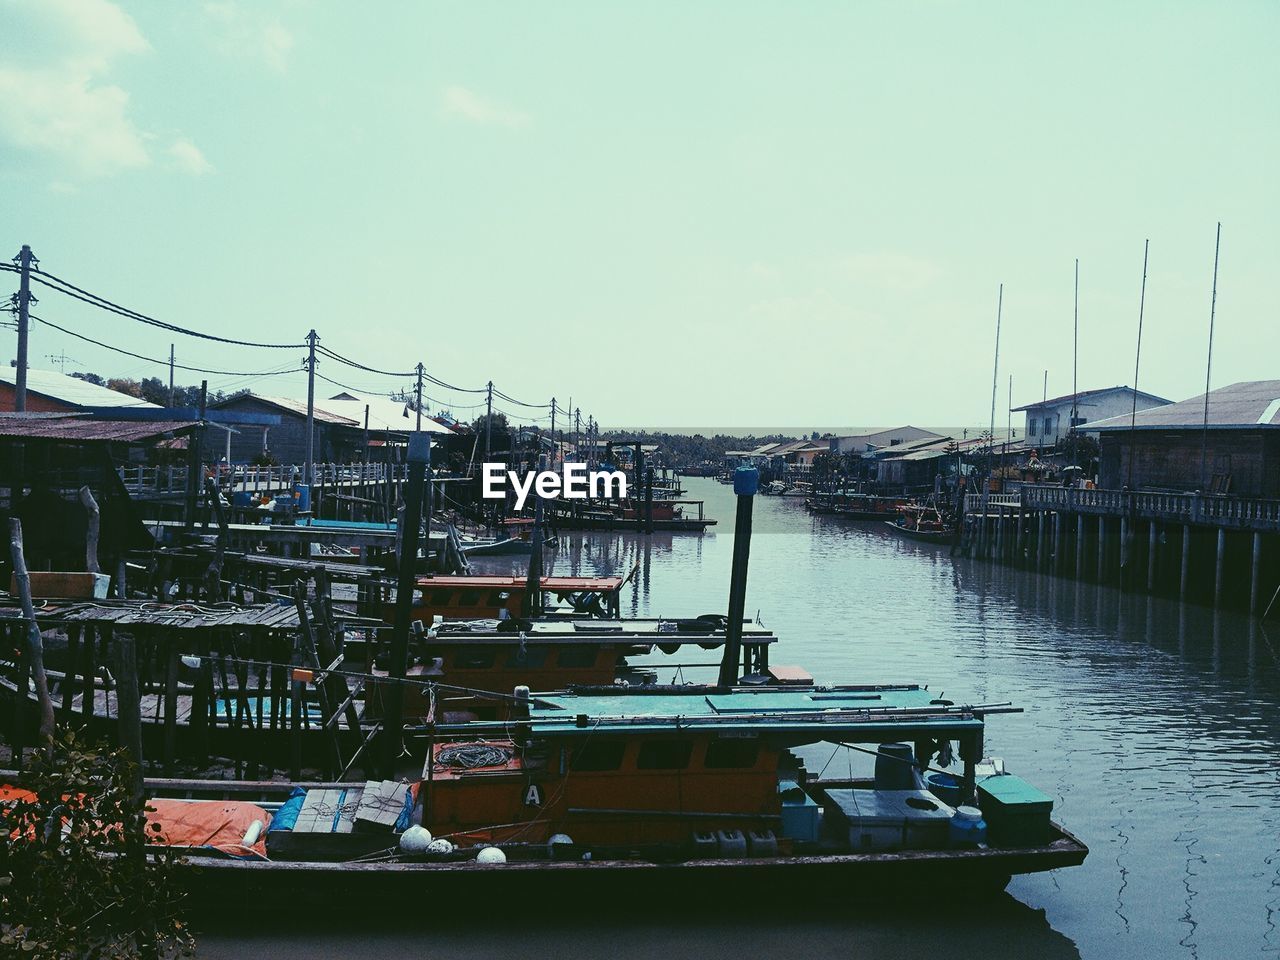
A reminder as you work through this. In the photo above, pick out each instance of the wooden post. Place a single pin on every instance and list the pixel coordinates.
(1184, 575)
(1255, 573)
(91, 535)
(128, 708)
(1040, 531)
(34, 647)
(1079, 546)
(1057, 542)
(1124, 552)
(746, 481)
(1220, 566)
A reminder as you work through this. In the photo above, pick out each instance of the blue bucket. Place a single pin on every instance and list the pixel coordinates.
(948, 789)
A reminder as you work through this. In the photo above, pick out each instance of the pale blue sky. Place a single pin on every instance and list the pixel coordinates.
(727, 213)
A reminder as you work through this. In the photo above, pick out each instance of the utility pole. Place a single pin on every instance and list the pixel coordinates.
(25, 260)
(577, 427)
(418, 402)
(309, 471)
(488, 422)
(171, 375)
(553, 431)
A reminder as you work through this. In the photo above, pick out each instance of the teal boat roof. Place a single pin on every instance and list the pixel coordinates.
(802, 710)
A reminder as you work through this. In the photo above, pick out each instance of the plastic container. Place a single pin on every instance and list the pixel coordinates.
(895, 767)
(1017, 814)
(945, 787)
(733, 844)
(762, 843)
(891, 819)
(967, 829)
(800, 813)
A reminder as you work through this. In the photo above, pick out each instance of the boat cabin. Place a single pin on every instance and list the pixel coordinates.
(500, 597)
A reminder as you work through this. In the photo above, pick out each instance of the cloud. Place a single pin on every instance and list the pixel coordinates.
(241, 31)
(456, 101)
(189, 157)
(55, 96)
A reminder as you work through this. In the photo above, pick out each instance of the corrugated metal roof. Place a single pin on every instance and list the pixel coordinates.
(74, 391)
(385, 414)
(79, 429)
(1085, 394)
(1252, 404)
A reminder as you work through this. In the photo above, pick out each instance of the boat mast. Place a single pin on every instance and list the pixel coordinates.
(1208, 366)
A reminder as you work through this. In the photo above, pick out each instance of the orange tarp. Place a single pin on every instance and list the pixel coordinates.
(221, 824)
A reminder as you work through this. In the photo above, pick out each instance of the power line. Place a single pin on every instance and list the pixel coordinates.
(163, 363)
(360, 366)
(511, 399)
(71, 290)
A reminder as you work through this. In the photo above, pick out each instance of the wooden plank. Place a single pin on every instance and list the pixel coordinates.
(380, 805)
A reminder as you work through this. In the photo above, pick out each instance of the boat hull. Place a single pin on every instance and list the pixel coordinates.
(216, 882)
(927, 536)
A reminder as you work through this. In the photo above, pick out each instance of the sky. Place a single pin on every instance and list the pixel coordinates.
(732, 213)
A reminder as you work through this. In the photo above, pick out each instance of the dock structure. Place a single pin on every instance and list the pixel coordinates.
(1213, 549)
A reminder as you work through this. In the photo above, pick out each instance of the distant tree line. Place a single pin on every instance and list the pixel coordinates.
(683, 451)
(151, 389)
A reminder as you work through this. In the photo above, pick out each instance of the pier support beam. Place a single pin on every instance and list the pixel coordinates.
(1079, 546)
(1255, 572)
(1040, 541)
(1153, 534)
(1220, 566)
(1102, 548)
(1057, 543)
(1124, 552)
(1184, 575)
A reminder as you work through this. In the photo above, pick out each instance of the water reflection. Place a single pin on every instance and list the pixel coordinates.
(1000, 929)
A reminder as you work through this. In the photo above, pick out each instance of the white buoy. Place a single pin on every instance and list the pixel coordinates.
(491, 855)
(416, 839)
(252, 834)
(440, 846)
(559, 838)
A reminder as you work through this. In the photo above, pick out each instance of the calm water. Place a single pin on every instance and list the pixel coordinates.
(1155, 729)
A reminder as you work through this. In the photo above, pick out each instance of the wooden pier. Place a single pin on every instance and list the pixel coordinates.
(1219, 550)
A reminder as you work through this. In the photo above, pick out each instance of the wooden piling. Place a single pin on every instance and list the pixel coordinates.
(1040, 522)
(1220, 566)
(1079, 546)
(1153, 534)
(1255, 572)
(129, 708)
(1184, 574)
(1102, 549)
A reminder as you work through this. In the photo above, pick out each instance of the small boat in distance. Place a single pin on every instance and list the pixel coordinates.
(924, 521)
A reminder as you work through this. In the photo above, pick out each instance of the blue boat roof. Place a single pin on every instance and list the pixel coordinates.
(809, 710)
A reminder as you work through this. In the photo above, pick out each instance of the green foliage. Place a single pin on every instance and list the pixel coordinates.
(76, 877)
(152, 389)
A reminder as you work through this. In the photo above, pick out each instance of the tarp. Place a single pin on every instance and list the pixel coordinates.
(220, 824)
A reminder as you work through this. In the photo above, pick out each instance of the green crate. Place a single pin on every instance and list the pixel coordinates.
(1017, 814)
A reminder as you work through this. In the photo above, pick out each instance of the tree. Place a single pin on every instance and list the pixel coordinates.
(75, 880)
(500, 434)
(90, 378)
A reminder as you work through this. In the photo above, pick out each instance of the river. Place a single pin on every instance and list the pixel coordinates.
(1153, 726)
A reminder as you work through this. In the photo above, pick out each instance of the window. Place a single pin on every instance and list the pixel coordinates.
(664, 754)
(732, 754)
(600, 755)
(1033, 427)
(1048, 424)
(579, 655)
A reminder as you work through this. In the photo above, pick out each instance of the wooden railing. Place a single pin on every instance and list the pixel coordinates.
(1198, 508)
(255, 479)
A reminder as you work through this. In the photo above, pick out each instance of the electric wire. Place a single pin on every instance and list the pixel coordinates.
(163, 363)
(70, 290)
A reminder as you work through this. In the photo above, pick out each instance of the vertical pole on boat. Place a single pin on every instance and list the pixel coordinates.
(746, 480)
(533, 584)
(419, 456)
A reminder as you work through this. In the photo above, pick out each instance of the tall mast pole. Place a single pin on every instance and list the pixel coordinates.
(1075, 363)
(1208, 367)
(418, 401)
(24, 317)
(171, 376)
(488, 422)
(1137, 358)
(995, 373)
(553, 431)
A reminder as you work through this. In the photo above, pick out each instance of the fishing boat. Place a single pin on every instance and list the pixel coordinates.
(860, 506)
(666, 515)
(594, 793)
(924, 522)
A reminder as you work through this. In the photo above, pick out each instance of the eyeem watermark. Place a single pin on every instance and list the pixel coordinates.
(573, 482)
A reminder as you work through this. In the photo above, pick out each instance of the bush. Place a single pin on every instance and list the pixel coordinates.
(76, 879)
